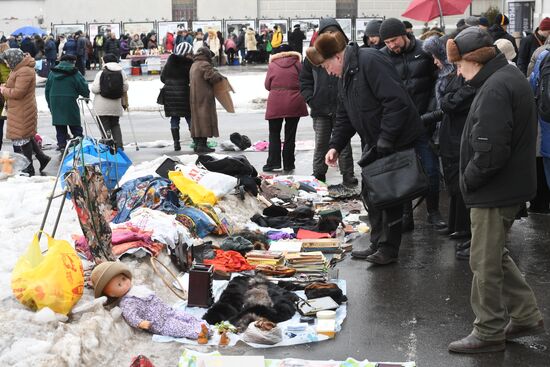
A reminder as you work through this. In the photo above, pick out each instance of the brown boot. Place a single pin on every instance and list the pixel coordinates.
(471, 345)
(381, 258)
(516, 331)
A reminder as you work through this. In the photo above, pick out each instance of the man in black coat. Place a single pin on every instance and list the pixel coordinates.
(112, 45)
(418, 73)
(81, 52)
(373, 102)
(320, 91)
(296, 39)
(531, 42)
(497, 175)
(500, 30)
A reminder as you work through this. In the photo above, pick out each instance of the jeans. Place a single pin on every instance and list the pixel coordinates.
(175, 122)
(275, 127)
(62, 134)
(546, 162)
(323, 129)
(430, 163)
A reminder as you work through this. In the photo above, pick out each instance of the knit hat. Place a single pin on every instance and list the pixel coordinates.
(472, 44)
(392, 27)
(326, 46)
(13, 56)
(506, 47)
(296, 26)
(545, 24)
(407, 24)
(109, 58)
(69, 58)
(502, 19)
(373, 28)
(183, 49)
(472, 21)
(436, 47)
(484, 22)
(104, 272)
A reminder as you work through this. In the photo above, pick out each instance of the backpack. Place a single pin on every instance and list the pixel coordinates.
(111, 84)
(543, 88)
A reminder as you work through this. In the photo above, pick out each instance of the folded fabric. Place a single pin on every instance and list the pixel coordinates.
(276, 235)
(196, 221)
(304, 234)
(230, 261)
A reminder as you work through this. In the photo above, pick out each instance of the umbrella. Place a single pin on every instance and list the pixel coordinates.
(27, 31)
(426, 10)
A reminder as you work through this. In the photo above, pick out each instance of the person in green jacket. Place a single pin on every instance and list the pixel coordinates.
(63, 87)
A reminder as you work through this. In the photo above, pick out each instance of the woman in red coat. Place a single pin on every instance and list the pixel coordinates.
(284, 102)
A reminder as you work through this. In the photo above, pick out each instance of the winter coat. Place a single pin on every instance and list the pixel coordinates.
(497, 150)
(4, 72)
(197, 44)
(241, 41)
(543, 141)
(319, 89)
(63, 87)
(417, 71)
(296, 40)
(28, 46)
(20, 94)
(152, 44)
(497, 32)
(203, 103)
(277, 39)
(282, 82)
(169, 42)
(250, 41)
(229, 44)
(373, 102)
(175, 77)
(214, 44)
(527, 46)
(134, 45)
(112, 46)
(124, 48)
(50, 50)
(107, 106)
(81, 47)
(70, 47)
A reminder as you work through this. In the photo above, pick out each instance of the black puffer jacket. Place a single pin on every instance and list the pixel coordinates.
(417, 71)
(373, 102)
(112, 46)
(497, 32)
(497, 151)
(175, 77)
(527, 46)
(318, 88)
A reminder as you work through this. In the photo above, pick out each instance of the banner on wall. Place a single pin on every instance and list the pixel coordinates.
(132, 28)
(360, 25)
(66, 29)
(268, 24)
(308, 26)
(103, 28)
(234, 26)
(206, 24)
(345, 24)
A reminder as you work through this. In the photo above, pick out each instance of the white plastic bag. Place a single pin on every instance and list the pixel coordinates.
(218, 183)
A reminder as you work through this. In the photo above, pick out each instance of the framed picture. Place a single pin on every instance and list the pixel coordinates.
(172, 27)
(268, 24)
(103, 28)
(132, 28)
(360, 25)
(307, 26)
(234, 26)
(345, 24)
(66, 29)
(205, 24)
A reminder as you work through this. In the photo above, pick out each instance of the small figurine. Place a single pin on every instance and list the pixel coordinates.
(141, 308)
(7, 163)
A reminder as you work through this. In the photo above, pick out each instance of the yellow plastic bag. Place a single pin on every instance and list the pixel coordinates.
(54, 280)
(198, 194)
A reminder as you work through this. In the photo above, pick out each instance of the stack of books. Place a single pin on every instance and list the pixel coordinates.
(261, 257)
(311, 263)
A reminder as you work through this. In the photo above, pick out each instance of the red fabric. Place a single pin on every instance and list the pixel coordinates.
(169, 44)
(313, 38)
(282, 82)
(230, 261)
(545, 24)
(304, 234)
(426, 10)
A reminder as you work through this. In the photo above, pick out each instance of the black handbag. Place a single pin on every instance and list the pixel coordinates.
(394, 179)
(160, 98)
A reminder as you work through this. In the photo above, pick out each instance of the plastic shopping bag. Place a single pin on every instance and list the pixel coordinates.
(198, 194)
(54, 280)
(219, 183)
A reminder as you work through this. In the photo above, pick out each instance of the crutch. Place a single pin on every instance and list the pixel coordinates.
(132, 128)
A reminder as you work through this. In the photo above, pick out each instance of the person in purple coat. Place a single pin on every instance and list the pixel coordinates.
(283, 103)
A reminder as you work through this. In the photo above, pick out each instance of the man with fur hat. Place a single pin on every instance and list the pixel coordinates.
(418, 72)
(374, 103)
(320, 91)
(497, 175)
(530, 43)
(500, 30)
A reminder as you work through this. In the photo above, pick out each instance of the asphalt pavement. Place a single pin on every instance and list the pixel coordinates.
(406, 311)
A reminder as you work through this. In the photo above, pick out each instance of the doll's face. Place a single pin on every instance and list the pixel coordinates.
(118, 286)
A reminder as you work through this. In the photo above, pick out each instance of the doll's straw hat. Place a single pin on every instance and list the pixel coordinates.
(104, 272)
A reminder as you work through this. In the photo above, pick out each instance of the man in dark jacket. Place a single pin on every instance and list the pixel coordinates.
(50, 50)
(112, 45)
(499, 30)
(241, 47)
(296, 39)
(81, 52)
(372, 35)
(320, 91)
(530, 43)
(418, 73)
(497, 175)
(28, 46)
(373, 102)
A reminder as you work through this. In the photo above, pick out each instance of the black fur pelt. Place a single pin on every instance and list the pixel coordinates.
(247, 299)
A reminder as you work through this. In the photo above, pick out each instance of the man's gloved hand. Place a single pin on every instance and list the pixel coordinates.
(384, 147)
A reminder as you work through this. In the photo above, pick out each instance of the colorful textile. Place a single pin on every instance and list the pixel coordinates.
(197, 222)
(230, 261)
(305, 234)
(277, 235)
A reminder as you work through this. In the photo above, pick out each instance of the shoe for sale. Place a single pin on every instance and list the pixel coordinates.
(436, 220)
(516, 331)
(471, 345)
(463, 254)
(363, 254)
(381, 258)
(460, 235)
(463, 245)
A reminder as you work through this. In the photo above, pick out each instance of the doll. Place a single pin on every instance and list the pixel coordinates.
(7, 163)
(141, 308)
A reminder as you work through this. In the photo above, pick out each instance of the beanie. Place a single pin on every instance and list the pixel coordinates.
(326, 46)
(545, 24)
(407, 24)
(472, 44)
(472, 21)
(392, 27)
(373, 28)
(110, 58)
(484, 22)
(502, 19)
(506, 47)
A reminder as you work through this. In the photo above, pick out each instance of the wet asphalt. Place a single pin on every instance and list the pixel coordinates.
(410, 310)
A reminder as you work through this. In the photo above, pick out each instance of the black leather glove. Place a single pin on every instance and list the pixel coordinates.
(384, 147)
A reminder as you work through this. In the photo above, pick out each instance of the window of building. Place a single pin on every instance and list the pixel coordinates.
(346, 8)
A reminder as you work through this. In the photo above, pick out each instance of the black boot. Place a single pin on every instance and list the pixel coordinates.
(176, 137)
(43, 159)
(26, 150)
(408, 220)
(202, 147)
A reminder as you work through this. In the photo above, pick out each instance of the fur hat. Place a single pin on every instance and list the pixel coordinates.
(472, 44)
(502, 19)
(436, 47)
(392, 27)
(506, 47)
(545, 24)
(104, 272)
(373, 28)
(326, 46)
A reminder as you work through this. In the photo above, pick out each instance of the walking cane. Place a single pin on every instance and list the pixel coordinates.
(132, 128)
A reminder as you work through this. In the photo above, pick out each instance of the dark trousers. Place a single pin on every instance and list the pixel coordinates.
(542, 200)
(175, 122)
(275, 127)
(81, 64)
(430, 162)
(459, 215)
(111, 126)
(1, 131)
(62, 133)
(230, 56)
(323, 129)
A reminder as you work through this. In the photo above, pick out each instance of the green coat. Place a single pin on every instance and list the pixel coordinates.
(4, 72)
(63, 87)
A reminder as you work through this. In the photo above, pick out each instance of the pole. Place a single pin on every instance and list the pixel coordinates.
(441, 20)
